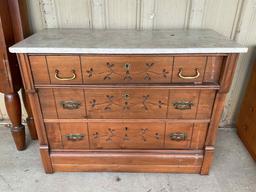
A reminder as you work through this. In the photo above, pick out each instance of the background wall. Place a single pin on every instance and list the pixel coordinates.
(236, 19)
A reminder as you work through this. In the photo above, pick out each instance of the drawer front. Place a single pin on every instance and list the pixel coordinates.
(126, 103)
(67, 135)
(126, 135)
(64, 69)
(126, 69)
(196, 70)
(39, 69)
(56, 69)
(185, 135)
(190, 104)
(62, 103)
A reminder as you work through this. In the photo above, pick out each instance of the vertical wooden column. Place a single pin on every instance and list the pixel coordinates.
(228, 71)
(32, 97)
(30, 119)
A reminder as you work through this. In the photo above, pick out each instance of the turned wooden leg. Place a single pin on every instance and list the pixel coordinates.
(13, 107)
(30, 119)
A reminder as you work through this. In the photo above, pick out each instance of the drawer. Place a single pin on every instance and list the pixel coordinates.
(56, 69)
(126, 69)
(67, 135)
(185, 135)
(126, 135)
(189, 69)
(62, 103)
(126, 103)
(190, 104)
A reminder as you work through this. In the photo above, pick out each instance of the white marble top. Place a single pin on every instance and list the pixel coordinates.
(176, 41)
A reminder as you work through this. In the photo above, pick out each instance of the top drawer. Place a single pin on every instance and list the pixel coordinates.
(124, 69)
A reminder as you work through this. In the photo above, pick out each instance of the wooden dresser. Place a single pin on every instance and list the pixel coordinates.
(246, 125)
(120, 100)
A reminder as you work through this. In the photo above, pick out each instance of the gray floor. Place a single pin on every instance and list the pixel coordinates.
(233, 171)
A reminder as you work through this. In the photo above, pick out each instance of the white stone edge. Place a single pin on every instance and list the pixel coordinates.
(126, 50)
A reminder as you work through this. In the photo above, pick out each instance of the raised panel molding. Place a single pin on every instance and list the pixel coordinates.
(48, 11)
(121, 14)
(35, 15)
(197, 13)
(147, 14)
(73, 14)
(171, 14)
(98, 10)
(221, 16)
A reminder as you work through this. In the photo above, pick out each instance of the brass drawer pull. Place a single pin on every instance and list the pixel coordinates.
(74, 137)
(70, 104)
(57, 76)
(178, 136)
(188, 77)
(183, 105)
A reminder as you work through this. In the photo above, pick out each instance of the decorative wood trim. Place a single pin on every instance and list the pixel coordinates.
(33, 98)
(46, 160)
(127, 120)
(24, 67)
(138, 86)
(207, 162)
(59, 152)
(215, 119)
(131, 161)
(228, 73)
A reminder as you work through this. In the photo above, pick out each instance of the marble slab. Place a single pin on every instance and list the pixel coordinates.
(176, 41)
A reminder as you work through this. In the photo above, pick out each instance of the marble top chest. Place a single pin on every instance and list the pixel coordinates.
(123, 100)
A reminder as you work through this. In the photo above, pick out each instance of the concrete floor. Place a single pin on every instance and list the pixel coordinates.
(233, 171)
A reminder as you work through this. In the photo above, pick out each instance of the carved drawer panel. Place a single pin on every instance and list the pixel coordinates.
(64, 69)
(126, 69)
(185, 135)
(126, 103)
(67, 135)
(39, 69)
(62, 103)
(190, 104)
(56, 69)
(126, 135)
(196, 69)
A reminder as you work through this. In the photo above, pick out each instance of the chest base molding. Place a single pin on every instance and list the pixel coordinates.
(128, 161)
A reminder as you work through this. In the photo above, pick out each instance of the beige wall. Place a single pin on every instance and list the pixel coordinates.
(235, 19)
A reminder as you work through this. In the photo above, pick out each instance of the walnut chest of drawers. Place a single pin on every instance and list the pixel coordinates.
(135, 101)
